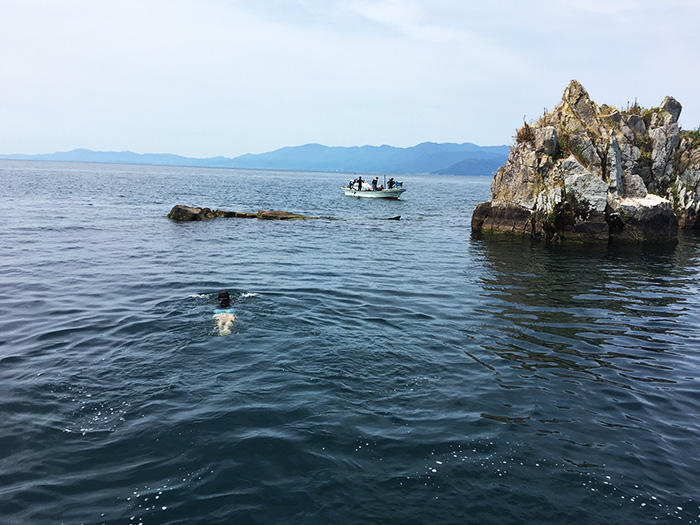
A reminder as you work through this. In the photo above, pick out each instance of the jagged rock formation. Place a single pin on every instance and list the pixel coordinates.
(585, 172)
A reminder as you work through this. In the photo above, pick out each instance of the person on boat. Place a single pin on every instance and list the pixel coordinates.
(359, 182)
(391, 183)
(374, 183)
(224, 313)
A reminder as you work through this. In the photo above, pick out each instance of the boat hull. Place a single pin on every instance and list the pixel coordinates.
(393, 193)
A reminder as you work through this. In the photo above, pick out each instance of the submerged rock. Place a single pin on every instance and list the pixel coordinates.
(281, 215)
(585, 172)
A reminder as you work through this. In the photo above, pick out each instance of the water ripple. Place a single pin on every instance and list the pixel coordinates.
(377, 371)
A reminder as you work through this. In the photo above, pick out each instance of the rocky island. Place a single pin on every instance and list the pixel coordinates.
(585, 172)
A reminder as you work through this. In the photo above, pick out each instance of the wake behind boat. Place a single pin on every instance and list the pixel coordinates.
(360, 188)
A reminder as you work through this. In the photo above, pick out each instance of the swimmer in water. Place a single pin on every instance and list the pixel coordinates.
(224, 313)
(224, 299)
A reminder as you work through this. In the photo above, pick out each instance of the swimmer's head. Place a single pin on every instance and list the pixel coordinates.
(224, 299)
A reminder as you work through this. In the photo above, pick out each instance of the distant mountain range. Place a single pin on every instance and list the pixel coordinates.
(428, 157)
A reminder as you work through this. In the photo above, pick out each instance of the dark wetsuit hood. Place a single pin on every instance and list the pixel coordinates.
(224, 299)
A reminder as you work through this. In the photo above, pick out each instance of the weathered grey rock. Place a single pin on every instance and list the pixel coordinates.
(684, 190)
(586, 189)
(585, 172)
(572, 166)
(674, 107)
(546, 139)
(615, 165)
(636, 124)
(610, 116)
(515, 182)
(586, 150)
(633, 187)
(630, 156)
(665, 140)
(581, 104)
(548, 198)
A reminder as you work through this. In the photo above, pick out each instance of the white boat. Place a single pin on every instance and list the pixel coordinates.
(367, 191)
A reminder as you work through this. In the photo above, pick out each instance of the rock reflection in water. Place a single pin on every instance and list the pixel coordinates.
(595, 351)
(603, 311)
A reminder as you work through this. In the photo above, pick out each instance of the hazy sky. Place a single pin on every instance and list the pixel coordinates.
(225, 77)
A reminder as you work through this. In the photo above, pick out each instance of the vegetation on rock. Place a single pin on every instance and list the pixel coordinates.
(525, 134)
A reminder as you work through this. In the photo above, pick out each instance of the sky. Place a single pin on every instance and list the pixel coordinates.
(226, 77)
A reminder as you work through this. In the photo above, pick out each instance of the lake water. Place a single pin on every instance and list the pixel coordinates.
(377, 372)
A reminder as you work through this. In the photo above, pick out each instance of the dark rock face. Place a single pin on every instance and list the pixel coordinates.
(654, 221)
(571, 220)
(589, 173)
(190, 213)
(502, 219)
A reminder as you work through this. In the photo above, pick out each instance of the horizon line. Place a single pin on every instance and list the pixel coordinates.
(287, 170)
(247, 153)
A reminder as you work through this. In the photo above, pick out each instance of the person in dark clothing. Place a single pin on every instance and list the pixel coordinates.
(224, 315)
(359, 183)
(224, 299)
(391, 183)
(374, 183)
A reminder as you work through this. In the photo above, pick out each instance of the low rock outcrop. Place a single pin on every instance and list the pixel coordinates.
(181, 212)
(585, 172)
(277, 215)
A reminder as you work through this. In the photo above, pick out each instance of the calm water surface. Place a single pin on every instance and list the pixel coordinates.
(378, 371)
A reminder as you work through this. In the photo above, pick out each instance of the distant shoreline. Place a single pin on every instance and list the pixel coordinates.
(233, 168)
(425, 158)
